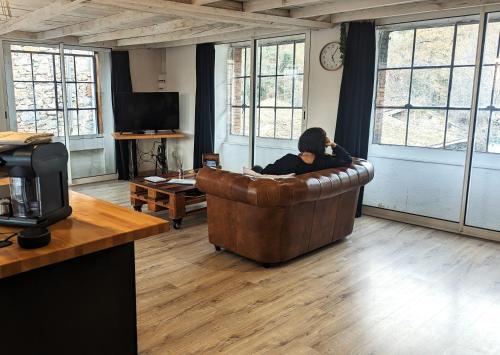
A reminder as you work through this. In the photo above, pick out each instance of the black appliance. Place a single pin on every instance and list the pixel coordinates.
(38, 185)
(146, 111)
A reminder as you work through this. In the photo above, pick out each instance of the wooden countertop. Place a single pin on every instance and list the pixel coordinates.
(128, 136)
(94, 225)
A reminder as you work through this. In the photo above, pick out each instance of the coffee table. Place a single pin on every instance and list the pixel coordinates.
(167, 196)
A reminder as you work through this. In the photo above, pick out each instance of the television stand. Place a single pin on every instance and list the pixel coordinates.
(133, 137)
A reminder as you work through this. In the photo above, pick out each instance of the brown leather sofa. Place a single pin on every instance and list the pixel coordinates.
(272, 221)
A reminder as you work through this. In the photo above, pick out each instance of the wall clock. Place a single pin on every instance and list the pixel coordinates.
(330, 56)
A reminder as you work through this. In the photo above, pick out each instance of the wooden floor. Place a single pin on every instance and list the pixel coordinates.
(389, 288)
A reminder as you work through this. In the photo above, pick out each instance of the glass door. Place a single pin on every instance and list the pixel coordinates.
(484, 190)
(425, 76)
(36, 86)
(232, 104)
(279, 114)
(89, 111)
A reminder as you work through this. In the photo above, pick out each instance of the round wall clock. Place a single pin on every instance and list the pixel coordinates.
(331, 56)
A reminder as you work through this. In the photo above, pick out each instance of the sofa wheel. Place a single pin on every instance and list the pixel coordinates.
(217, 248)
(177, 223)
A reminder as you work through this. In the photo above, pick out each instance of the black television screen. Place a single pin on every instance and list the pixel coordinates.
(142, 111)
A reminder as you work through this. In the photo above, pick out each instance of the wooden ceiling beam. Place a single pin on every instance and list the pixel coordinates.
(160, 28)
(213, 14)
(47, 12)
(228, 37)
(95, 25)
(337, 6)
(263, 5)
(201, 31)
(421, 7)
(203, 2)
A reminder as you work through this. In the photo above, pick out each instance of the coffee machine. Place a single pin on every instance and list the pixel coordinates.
(38, 185)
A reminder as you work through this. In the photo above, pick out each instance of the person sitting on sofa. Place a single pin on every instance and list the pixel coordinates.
(312, 145)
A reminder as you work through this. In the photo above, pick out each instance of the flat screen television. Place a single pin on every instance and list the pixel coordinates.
(144, 111)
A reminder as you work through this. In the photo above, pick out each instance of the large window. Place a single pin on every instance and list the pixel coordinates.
(425, 84)
(280, 77)
(38, 93)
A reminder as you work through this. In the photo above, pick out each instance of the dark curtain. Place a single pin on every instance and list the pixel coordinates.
(121, 82)
(356, 92)
(205, 102)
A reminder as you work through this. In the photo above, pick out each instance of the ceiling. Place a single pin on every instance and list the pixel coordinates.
(164, 23)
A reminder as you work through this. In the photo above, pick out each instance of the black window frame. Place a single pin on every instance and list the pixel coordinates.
(59, 105)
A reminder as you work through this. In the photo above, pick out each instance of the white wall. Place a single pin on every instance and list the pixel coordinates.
(179, 64)
(324, 86)
(181, 77)
(145, 66)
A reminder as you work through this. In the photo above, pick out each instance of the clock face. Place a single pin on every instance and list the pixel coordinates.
(330, 56)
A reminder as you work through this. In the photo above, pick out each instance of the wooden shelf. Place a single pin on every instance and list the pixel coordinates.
(120, 136)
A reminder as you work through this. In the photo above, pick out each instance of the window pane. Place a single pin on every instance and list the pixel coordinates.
(465, 49)
(45, 96)
(457, 129)
(297, 123)
(433, 46)
(494, 143)
(430, 87)
(481, 133)
(426, 128)
(29, 48)
(73, 122)
(78, 51)
(237, 95)
(60, 120)
(71, 95)
(461, 87)
(298, 91)
(59, 96)
(70, 68)
(24, 97)
(486, 87)
(87, 120)
(284, 123)
(299, 58)
(390, 126)
(26, 121)
(491, 43)
(268, 60)
(285, 59)
(84, 69)
(284, 95)
(395, 49)
(246, 111)
(247, 91)
(236, 121)
(46, 122)
(43, 67)
(238, 61)
(57, 60)
(266, 122)
(86, 96)
(393, 87)
(21, 66)
(266, 91)
(248, 61)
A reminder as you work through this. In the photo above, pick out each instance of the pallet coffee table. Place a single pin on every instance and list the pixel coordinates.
(167, 196)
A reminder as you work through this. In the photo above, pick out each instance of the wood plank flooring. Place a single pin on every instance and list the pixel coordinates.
(389, 288)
